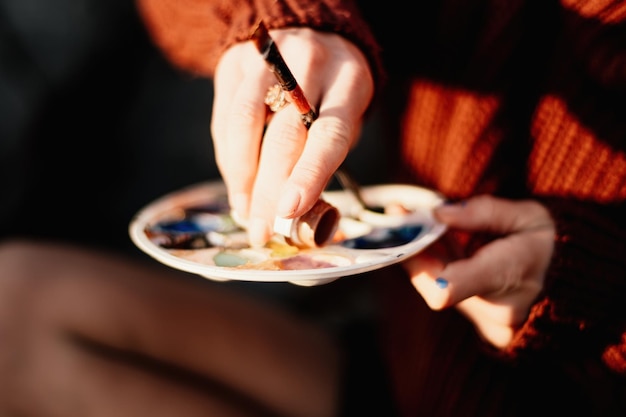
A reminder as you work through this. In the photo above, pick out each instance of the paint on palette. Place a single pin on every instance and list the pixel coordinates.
(381, 238)
(211, 226)
(230, 259)
(199, 227)
(303, 262)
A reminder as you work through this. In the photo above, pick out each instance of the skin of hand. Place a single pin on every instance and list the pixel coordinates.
(278, 167)
(495, 287)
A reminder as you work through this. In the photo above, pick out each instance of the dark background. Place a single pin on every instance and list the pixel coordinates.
(94, 123)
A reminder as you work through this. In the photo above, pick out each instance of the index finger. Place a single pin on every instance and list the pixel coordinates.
(330, 138)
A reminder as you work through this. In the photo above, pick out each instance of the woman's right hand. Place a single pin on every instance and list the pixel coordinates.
(280, 169)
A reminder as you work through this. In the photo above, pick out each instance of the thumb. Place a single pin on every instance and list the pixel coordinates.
(445, 284)
(492, 214)
(501, 266)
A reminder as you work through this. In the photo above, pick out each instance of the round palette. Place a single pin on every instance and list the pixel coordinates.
(192, 230)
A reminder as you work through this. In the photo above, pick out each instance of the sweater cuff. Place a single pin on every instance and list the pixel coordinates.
(333, 16)
(193, 34)
(581, 308)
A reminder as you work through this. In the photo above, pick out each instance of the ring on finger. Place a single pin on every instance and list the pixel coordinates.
(276, 98)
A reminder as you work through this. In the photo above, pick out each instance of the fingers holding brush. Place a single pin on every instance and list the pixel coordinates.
(347, 88)
(307, 140)
(284, 120)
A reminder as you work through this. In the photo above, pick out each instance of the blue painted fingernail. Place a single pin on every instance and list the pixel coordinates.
(441, 282)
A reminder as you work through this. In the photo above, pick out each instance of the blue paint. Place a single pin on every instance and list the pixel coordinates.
(385, 237)
(190, 232)
(179, 226)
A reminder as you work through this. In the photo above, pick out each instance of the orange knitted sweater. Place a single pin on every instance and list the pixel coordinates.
(516, 98)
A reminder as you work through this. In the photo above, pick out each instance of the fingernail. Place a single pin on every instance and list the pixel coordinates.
(288, 203)
(258, 232)
(239, 221)
(441, 282)
(239, 203)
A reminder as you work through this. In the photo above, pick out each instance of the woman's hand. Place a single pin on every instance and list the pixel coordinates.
(496, 286)
(281, 169)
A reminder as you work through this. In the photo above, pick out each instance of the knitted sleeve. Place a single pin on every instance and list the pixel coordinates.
(194, 33)
(580, 156)
(596, 27)
(582, 308)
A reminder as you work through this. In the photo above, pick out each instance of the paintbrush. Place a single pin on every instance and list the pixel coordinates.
(272, 56)
(276, 63)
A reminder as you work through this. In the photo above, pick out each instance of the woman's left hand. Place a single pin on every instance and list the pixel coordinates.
(496, 286)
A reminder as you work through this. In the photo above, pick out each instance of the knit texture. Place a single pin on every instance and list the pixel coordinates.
(193, 34)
